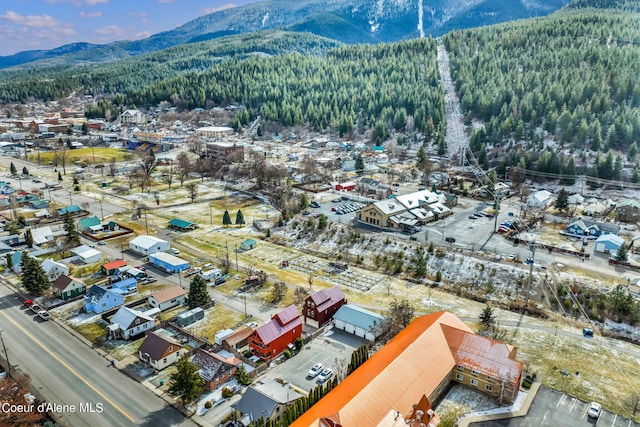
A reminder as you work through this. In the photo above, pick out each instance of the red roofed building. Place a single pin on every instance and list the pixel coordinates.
(272, 338)
(320, 307)
(111, 268)
(418, 364)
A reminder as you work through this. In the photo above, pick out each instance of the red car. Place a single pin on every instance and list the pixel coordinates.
(28, 303)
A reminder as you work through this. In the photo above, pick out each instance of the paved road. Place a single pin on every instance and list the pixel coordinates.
(65, 371)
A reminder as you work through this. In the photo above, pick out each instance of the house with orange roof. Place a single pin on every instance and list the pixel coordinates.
(418, 364)
(272, 338)
(113, 267)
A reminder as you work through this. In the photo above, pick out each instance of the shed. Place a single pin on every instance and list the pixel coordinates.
(608, 243)
(168, 262)
(221, 335)
(182, 224)
(188, 317)
(248, 244)
(86, 254)
(358, 321)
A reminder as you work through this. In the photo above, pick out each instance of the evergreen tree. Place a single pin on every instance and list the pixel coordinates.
(622, 254)
(239, 218)
(487, 318)
(28, 238)
(562, 201)
(186, 382)
(25, 171)
(59, 176)
(242, 376)
(198, 295)
(226, 218)
(633, 151)
(359, 164)
(73, 237)
(12, 169)
(33, 277)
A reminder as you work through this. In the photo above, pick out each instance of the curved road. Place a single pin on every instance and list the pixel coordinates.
(65, 371)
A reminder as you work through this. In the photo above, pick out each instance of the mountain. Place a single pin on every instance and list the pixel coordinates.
(348, 21)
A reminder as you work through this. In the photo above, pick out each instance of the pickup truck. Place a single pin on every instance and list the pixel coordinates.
(35, 308)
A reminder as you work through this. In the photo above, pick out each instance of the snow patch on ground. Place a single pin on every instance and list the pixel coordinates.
(83, 319)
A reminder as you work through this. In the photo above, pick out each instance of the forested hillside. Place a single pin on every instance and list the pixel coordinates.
(575, 74)
(369, 86)
(124, 76)
(629, 5)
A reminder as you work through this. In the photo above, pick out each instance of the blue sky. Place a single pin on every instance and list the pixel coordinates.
(45, 24)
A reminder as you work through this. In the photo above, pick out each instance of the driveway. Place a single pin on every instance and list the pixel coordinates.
(553, 408)
(325, 349)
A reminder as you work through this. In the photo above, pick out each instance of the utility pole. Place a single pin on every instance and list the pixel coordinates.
(235, 248)
(6, 355)
(532, 247)
(227, 263)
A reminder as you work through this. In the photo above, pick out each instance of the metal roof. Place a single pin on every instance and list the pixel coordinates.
(357, 316)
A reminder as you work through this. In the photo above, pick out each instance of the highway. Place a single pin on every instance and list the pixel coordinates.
(65, 371)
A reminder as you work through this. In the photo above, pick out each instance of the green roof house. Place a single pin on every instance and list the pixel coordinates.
(182, 224)
(248, 244)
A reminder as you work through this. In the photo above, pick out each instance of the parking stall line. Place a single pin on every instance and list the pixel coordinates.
(615, 417)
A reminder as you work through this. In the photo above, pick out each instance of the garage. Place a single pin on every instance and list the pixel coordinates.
(358, 321)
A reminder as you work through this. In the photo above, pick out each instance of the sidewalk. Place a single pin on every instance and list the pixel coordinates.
(519, 408)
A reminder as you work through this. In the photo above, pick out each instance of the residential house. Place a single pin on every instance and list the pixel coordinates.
(41, 235)
(266, 398)
(99, 299)
(229, 151)
(272, 338)
(319, 308)
(590, 229)
(86, 255)
(168, 262)
(147, 245)
(159, 351)
(237, 340)
(182, 224)
(53, 269)
(127, 323)
(418, 364)
(628, 210)
(132, 117)
(167, 298)
(358, 321)
(539, 199)
(113, 268)
(344, 186)
(214, 131)
(71, 209)
(370, 186)
(89, 224)
(608, 243)
(214, 369)
(66, 287)
(575, 200)
(595, 209)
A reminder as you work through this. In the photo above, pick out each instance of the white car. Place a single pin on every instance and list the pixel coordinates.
(174, 251)
(44, 315)
(315, 370)
(325, 375)
(594, 410)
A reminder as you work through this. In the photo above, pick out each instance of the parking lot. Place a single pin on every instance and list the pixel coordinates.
(325, 349)
(552, 408)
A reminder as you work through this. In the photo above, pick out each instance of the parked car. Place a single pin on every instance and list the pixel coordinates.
(28, 303)
(450, 239)
(314, 204)
(315, 370)
(587, 332)
(473, 216)
(101, 243)
(174, 251)
(414, 238)
(325, 375)
(306, 213)
(35, 308)
(44, 315)
(336, 200)
(594, 410)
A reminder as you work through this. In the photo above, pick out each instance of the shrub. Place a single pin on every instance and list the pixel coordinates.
(298, 343)
(208, 404)
(287, 354)
(226, 393)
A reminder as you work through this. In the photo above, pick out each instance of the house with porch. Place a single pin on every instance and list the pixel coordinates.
(272, 338)
(98, 299)
(53, 269)
(128, 323)
(159, 351)
(319, 308)
(214, 369)
(266, 398)
(585, 228)
(65, 287)
(167, 298)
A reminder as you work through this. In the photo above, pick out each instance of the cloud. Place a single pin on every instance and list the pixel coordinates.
(90, 14)
(219, 8)
(79, 3)
(35, 21)
(141, 35)
(110, 30)
(33, 31)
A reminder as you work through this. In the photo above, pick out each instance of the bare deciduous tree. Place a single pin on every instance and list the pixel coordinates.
(192, 191)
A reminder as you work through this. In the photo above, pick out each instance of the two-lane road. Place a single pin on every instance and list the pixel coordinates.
(67, 372)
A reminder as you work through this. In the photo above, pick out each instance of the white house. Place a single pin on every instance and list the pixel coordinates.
(53, 269)
(539, 199)
(128, 323)
(41, 235)
(358, 321)
(86, 254)
(168, 298)
(147, 245)
(132, 117)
